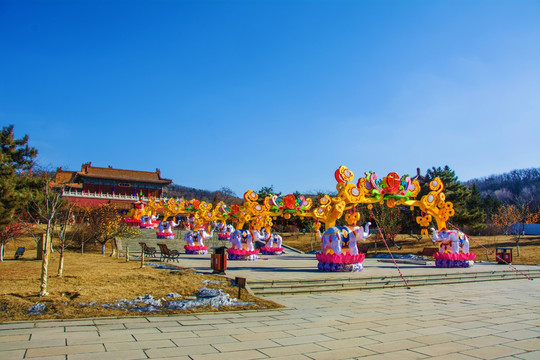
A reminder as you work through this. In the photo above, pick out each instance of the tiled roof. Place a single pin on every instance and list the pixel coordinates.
(88, 170)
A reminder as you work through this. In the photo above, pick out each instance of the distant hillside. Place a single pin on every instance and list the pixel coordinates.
(517, 184)
(188, 193)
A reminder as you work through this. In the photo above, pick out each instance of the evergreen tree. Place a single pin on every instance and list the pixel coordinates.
(16, 162)
(475, 207)
(466, 214)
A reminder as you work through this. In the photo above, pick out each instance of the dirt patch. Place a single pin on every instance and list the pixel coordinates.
(93, 280)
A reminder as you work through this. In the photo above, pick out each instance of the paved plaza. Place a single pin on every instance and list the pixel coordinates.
(488, 320)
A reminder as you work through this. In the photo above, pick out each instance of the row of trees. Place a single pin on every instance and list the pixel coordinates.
(30, 206)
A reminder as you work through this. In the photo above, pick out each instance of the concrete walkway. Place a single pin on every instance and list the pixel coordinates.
(491, 320)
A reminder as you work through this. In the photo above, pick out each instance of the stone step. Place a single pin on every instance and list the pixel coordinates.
(283, 287)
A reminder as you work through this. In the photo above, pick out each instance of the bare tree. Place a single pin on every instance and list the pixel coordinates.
(64, 220)
(46, 206)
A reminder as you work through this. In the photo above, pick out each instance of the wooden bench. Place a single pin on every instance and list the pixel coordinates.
(363, 249)
(168, 254)
(148, 250)
(428, 251)
(19, 252)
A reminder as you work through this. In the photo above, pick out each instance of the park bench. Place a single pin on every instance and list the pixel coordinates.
(168, 254)
(363, 249)
(428, 251)
(148, 250)
(19, 252)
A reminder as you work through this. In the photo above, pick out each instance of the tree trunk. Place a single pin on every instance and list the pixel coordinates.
(40, 248)
(103, 249)
(2, 252)
(142, 258)
(45, 265)
(127, 252)
(82, 247)
(61, 263)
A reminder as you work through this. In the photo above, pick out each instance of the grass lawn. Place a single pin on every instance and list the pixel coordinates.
(103, 279)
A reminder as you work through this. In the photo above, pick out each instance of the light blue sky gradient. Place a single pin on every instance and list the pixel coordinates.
(246, 94)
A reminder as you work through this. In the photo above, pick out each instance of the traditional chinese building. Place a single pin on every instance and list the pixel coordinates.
(96, 185)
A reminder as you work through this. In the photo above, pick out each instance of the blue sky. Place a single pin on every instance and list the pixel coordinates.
(246, 94)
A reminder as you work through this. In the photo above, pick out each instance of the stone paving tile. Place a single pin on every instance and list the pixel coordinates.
(184, 328)
(258, 319)
(438, 338)
(14, 345)
(292, 350)
(306, 339)
(482, 341)
(71, 335)
(183, 357)
(106, 327)
(390, 346)
(512, 326)
(476, 332)
(213, 340)
(81, 328)
(13, 326)
(533, 355)
(181, 350)
(99, 339)
(529, 344)
(493, 352)
(352, 334)
(471, 325)
(434, 330)
(64, 350)
(170, 335)
(9, 338)
(132, 345)
(259, 335)
(131, 331)
(318, 324)
(264, 329)
(236, 355)
(519, 334)
(218, 332)
(453, 356)
(245, 345)
(12, 354)
(397, 355)
(347, 353)
(292, 357)
(33, 331)
(442, 349)
(393, 336)
(309, 331)
(347, 343)
(205, 321)
(151, 325)
(394, 328)
(237, 325)
(228, 315)
(113, 355)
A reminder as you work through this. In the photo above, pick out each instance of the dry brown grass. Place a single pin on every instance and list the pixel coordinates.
(94, 277)
(529, 246)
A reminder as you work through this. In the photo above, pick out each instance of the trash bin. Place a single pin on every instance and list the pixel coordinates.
(504, 255)
(219, 260)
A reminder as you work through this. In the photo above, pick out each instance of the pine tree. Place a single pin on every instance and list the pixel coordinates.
(466, 214)
(16, 159)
